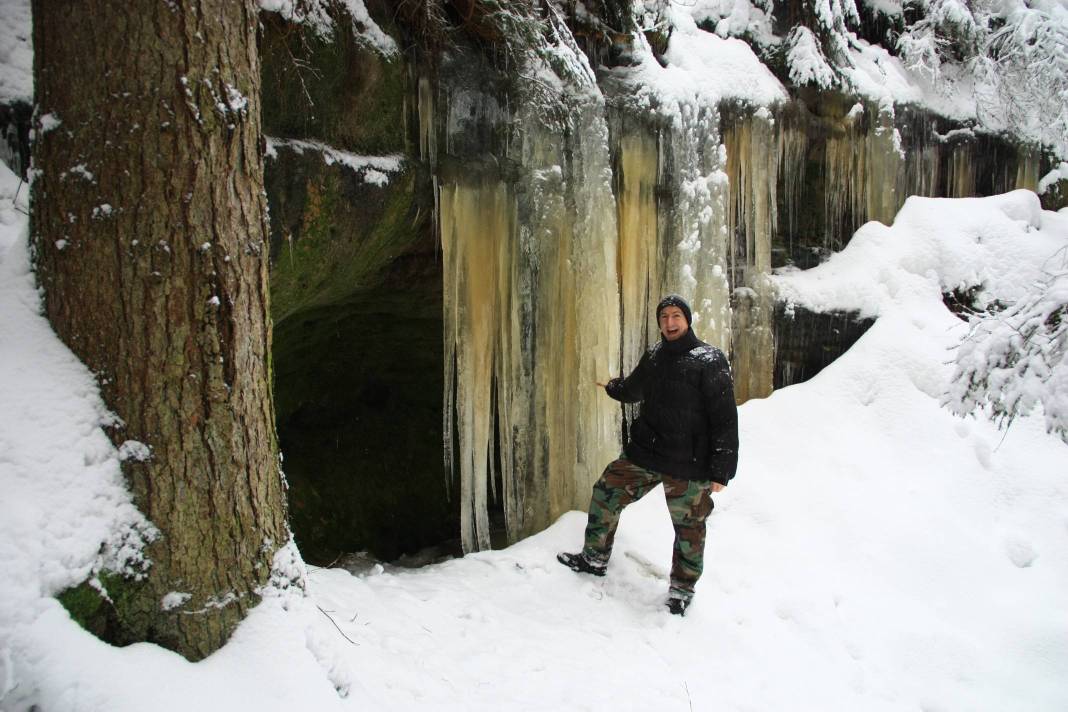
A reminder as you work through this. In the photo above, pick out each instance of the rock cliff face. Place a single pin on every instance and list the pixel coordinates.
(470, 232)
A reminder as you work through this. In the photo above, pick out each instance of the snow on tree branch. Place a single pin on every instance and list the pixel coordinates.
(1015, 360)
(806, 61)
(319, 15)
(1015, 54)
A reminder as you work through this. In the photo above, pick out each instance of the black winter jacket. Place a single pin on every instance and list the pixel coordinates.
(688, 424)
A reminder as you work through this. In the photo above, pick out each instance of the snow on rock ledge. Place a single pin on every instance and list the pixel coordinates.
(703, 70)
(373, 169)
(1000, 244)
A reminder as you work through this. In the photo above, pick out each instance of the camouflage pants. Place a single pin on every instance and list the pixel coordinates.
(689, 502)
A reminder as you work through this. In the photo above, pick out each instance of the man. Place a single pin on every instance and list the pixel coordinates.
(686, 437)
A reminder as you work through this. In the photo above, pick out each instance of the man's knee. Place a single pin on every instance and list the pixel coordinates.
(626, 479)
(691, 503)
(690, 542)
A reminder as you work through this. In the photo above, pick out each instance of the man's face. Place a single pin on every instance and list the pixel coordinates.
(672, 323)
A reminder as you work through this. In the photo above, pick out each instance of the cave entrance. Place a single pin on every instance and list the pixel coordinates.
(356, 288)
(359, 399)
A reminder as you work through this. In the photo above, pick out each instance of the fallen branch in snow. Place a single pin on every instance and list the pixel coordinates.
(15, 200)
(337, 626)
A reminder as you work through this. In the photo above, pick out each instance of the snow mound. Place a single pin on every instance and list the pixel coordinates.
(702, 70)
(65, 514)
(1000, 245)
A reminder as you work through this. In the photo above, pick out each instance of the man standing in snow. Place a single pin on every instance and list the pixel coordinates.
(685, 438)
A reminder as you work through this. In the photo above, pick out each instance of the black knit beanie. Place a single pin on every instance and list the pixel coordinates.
(674, 300)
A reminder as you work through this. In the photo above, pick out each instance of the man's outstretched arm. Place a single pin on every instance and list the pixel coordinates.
(630, 389)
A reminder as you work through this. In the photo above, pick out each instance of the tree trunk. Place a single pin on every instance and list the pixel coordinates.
(149, 227)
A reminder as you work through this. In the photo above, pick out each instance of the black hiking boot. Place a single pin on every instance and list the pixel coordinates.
(581, 564)
(678, 606)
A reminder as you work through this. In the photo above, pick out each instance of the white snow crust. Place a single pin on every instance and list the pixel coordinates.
(703, 70)
(373, 169)
(16, 52)
(65, 513)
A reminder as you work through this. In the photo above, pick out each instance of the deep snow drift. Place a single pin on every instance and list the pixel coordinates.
(874, 552)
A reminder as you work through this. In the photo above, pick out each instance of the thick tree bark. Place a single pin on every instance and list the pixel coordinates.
(149, 225)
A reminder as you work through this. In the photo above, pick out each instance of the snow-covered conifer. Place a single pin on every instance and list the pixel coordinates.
(1017, 359)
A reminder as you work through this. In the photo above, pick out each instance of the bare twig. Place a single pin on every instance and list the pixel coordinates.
(15, 200)
(337, 626)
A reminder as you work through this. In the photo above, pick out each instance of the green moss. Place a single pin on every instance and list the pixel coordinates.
(106, 618)
(341, 244)
(331, 89)
(85, 605)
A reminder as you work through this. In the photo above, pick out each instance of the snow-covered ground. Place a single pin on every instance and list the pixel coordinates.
(16, 51)
(874, 552)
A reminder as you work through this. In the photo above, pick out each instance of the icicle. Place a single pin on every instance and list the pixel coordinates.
(428, 138)
(477, 218)
(960, 182)
(882, 174)
(448, 415)
(569, 316)
(793, 163)
(754, 345)
(639, 271)
(753, 170)
(753, 159)
(683, 242)
(921, 174)
(843, 196)
(532, 319)
(695, 227)
(593, 266)
(1027, 169)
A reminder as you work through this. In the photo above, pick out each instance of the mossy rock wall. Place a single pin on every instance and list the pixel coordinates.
(331, 88)
(356, 301)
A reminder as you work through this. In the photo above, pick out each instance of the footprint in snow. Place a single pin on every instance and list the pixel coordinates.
(646, 567)
(1020, 552)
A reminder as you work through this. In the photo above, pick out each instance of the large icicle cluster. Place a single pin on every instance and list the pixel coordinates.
(531, 301)
(753, 159)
